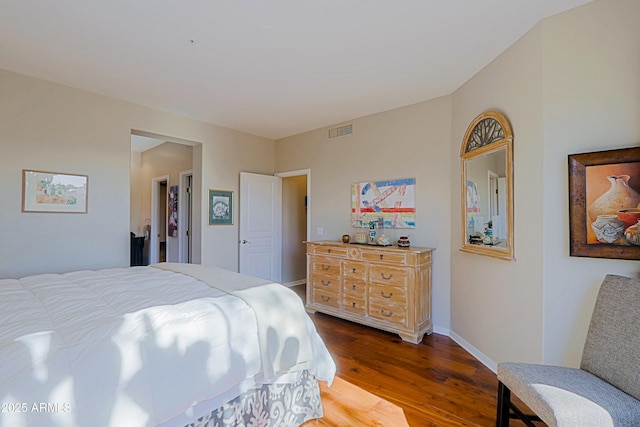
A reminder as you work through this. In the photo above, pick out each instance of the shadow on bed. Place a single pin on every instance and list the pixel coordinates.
(143, 346)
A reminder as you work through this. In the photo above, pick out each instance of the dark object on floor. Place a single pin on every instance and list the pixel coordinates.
(137, 245)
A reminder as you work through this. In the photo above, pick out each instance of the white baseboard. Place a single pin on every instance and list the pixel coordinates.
(441, 331)
(482, 358)
(486, 361)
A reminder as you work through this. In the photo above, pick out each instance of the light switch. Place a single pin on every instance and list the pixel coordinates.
(320, 231)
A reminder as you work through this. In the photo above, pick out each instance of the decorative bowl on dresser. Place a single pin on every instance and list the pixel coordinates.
(388, 287)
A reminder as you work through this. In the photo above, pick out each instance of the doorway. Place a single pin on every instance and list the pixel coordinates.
(260, 205)
(158, 238)
(295, 225)
(185, 211)
(165, 186)
(498, 204)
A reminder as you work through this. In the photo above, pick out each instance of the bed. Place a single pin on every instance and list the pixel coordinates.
(162, 345)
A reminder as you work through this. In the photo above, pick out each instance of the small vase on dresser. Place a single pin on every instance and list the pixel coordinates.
(404, 242)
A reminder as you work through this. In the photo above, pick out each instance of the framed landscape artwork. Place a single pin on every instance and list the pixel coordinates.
(54, 192)
(604, 204)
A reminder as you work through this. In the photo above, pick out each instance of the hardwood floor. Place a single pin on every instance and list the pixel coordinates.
(384, 381)
(345, 404)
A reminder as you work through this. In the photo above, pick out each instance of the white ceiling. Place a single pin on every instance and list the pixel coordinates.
(140, 143)
(270, 68)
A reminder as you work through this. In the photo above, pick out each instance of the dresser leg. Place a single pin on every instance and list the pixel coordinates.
(413, 339)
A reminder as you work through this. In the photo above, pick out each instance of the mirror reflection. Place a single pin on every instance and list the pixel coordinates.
(487, 199)
(487, 211)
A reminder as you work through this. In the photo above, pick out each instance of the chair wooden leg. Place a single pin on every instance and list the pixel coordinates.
(506, 409)
(504, 403)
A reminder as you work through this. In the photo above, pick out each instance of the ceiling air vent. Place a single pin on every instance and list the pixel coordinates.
(340, 131)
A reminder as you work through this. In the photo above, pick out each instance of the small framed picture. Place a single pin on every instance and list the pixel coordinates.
(220, 207)
(54, 192)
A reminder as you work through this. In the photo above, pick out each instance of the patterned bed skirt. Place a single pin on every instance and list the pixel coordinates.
(272, 405)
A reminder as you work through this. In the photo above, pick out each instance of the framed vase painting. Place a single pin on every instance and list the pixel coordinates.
(54, 192)
(220, 207)
(604, 204)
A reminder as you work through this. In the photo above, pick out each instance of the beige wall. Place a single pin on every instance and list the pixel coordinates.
(51, 127)
(565, 89)
(497, 303)
(410, 142)
(136, 218)
(591, 103)
(570, 85)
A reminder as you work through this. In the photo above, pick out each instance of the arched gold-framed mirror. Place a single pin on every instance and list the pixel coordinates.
(486, 160)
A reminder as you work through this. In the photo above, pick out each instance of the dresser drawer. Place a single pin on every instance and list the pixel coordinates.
(354, 270)
(388, 313)
(325, 283)
(329, 250)
(354, 304)
(384, 295)
(384, 256)
(394, 276)
(325, 266)
(356, 288)
(322, 297)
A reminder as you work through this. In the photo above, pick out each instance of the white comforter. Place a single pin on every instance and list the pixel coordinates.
(130, 347)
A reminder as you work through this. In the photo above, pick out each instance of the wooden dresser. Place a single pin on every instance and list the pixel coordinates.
(388, 287)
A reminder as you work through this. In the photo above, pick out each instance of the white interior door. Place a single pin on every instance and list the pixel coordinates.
(502, 206)
(260, 215)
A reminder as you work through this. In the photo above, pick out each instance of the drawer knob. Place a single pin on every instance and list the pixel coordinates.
(381, 256)
(325, 267)
(353, 304)
(385, 295)
(354, 270)
(325, 299)
(327, 283)
(386, 277)
(354, 287)
(329, 251)
(386, 313)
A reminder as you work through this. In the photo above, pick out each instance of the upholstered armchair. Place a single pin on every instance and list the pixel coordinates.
(605, 390)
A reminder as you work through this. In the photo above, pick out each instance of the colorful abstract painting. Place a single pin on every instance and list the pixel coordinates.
(172, 211)
(389, 204)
